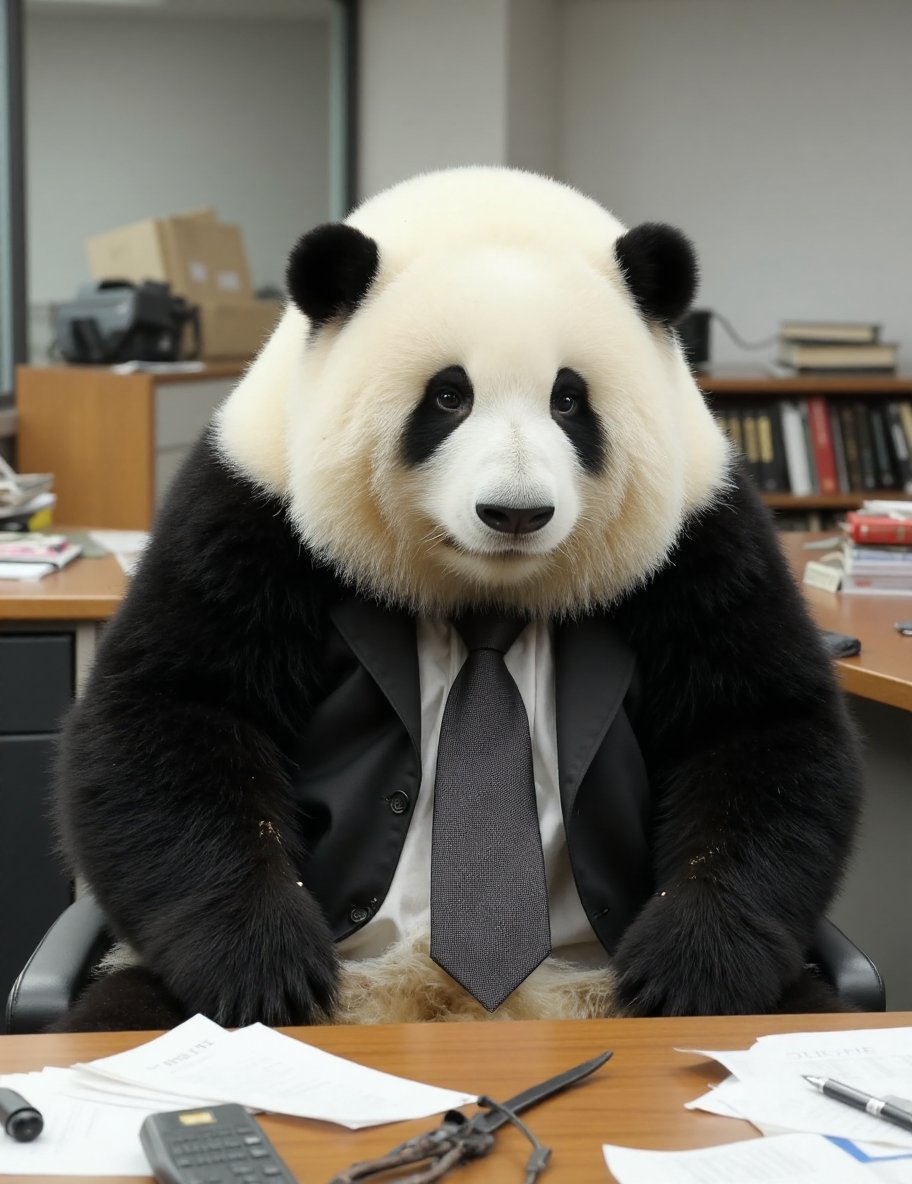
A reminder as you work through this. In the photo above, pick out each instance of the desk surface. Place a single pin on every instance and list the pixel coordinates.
(86, 590)
(91, 589)
(883, 669)
(637, 1099)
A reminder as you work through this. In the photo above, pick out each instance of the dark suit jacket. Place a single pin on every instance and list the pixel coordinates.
(359, 768)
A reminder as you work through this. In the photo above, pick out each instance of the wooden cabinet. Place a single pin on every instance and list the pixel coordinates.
(113, 442)
(727, 392)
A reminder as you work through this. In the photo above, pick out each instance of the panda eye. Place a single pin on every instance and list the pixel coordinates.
(449, 399)
(565, 403)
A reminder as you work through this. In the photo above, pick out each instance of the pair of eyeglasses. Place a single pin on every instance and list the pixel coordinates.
(459, 1139)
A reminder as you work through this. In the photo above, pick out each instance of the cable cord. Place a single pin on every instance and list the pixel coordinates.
(736, 336)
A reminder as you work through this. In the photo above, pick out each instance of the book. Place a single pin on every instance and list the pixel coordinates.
(866, 445)
(830, 332)
(891, 507)
(839, 452)
(822, 445)
(30, 557)
(883, 460)
(902, 451)
(852, 446)
(795, 456)
(870, 528)
(876, 356)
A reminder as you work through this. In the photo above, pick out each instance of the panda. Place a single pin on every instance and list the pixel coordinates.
(474, 399)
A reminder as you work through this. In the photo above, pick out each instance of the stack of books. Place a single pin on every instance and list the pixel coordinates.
(26, 499)
(875, 556)
(32, 556)
(834, 347)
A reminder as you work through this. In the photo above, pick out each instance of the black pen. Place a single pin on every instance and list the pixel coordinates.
(877, 1107)
(21, 1121)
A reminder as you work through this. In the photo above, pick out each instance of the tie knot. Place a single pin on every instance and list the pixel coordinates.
(489, 630)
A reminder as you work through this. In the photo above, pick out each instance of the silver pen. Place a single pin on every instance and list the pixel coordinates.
(878, 1107)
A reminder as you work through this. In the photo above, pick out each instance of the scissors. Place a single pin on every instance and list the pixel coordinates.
(459, 1139)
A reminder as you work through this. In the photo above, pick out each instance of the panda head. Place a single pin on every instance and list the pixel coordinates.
(476, 397)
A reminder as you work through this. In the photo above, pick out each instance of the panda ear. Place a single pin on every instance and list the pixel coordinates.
(330, 271)
(660, 268)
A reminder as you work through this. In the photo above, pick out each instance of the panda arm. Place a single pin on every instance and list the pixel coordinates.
(174, 793)
(754, 767)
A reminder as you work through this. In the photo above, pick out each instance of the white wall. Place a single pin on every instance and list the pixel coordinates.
(775, 132)
(433, 87)
(534, 84)
(130, 116)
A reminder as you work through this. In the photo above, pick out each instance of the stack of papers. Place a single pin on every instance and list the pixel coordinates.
(812, 1137)
(93, 1112)
(767, 1085)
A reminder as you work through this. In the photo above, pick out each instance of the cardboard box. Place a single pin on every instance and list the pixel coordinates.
(201, 258)
(235, 328)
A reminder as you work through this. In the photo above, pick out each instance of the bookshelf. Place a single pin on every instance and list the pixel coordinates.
(728, 391)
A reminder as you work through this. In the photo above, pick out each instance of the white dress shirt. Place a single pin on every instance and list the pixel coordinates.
(405, 913)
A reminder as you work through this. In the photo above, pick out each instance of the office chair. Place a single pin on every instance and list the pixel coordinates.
(61, 965)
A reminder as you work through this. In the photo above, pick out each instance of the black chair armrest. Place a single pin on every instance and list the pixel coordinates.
(851, 971)
(59, 967)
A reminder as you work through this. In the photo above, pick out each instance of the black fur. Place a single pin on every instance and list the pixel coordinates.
(176, 762)
(582, 425)
(429, 423)
(177, 765)
(660, 268)
(330, 271)
(754, 768)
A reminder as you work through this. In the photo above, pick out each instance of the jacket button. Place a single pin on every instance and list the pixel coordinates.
(358, 915)
(398, 802)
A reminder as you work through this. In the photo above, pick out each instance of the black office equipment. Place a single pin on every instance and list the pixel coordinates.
(211, 1145)
(116, 321)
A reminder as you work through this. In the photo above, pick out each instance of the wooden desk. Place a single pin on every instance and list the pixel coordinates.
(637, 1099)
(85, 590)
(883, 669)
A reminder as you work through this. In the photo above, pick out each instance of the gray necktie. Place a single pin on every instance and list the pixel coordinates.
(489, 899)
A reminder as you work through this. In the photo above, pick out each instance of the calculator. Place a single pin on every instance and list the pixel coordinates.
(212, 1145)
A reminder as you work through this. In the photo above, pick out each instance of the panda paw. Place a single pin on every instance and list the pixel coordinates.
(272, 961)
(692, 952)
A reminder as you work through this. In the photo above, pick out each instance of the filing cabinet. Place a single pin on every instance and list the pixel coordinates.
(113, 441)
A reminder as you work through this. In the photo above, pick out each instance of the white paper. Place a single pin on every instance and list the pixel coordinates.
(80, 1138)
(93, 1112)
(787, 1159)
(768, 1086)
(259, 1067)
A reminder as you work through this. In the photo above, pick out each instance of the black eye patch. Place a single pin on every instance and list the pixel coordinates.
(572, 412)
(446, 403)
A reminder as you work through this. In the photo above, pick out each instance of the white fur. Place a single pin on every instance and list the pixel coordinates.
(511, 276)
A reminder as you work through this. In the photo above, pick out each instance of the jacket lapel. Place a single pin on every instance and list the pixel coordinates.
(593, 669)
(384, 642)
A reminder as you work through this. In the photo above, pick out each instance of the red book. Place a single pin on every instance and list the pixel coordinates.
(822, 444)
(869, 528)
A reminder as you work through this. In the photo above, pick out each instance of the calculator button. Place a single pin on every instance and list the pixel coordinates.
(251, 1139)
(258, 1152)
(271, 1169)
(240, 1169)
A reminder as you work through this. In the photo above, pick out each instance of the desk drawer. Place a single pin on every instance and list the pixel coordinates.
(36, 681)
(32, 884)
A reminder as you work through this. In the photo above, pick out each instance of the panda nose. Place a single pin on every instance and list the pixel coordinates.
(514, 519)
